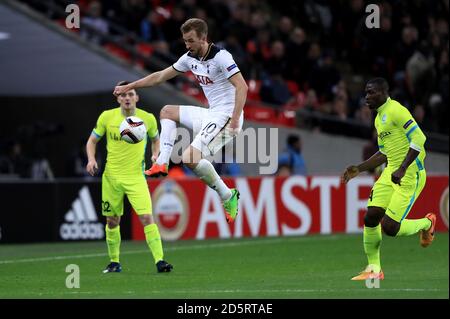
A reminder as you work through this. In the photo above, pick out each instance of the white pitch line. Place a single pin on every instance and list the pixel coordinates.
(253, 291)
(199, 246)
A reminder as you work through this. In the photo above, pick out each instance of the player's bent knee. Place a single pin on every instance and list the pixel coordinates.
(191, 157)
(146, 219)
(373, 216)
(370, 221)
(169, 112)
(113, 222)
(390, 227)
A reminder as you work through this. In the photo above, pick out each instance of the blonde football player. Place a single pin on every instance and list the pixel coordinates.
(226, 92)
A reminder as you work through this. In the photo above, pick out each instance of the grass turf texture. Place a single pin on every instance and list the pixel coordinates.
(290, 267)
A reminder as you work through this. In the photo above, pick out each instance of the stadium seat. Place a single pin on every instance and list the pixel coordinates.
(286, 118)
(260, 113)
(292, 87)
(254, 87)
(145, 49)
(118, 51)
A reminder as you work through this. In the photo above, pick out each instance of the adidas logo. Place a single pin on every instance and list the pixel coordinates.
(81, 220)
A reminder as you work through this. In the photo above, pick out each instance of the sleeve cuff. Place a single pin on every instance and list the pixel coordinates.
(96, 135)
(415, 147)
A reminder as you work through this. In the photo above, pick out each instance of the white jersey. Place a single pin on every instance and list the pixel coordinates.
(212, 72)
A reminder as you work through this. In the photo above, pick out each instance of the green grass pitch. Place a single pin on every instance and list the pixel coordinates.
(290, 267)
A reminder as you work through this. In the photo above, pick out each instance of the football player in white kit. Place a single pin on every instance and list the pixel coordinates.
(226, 92)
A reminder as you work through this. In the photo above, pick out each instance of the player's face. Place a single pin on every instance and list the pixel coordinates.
(374, 96)
(193, 42)
(128, 100)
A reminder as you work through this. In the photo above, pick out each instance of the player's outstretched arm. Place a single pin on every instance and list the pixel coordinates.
(150, 80)
(374, 161)
(91, 146)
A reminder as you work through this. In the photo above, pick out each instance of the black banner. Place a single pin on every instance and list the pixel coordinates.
(64, 210)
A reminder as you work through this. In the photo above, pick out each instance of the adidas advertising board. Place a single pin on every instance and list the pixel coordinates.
(81, 221)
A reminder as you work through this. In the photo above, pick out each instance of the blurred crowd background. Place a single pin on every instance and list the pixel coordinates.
(312, 56)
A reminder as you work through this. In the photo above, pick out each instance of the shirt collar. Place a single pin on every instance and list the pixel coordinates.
(383, 106)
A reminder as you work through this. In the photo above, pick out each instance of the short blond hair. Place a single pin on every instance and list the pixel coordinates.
(199, 25)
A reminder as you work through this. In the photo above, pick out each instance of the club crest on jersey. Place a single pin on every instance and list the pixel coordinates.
(203, 79)
(383, 119)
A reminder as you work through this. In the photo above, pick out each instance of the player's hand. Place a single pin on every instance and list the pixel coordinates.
(233, 128)
(92, 167)
(350, 172)
(397, 176)
(120, 89)
(154, 158)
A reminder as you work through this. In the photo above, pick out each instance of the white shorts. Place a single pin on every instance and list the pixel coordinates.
(210, 128)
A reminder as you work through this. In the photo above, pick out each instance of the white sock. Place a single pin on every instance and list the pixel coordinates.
(167, 139)
(205, 170)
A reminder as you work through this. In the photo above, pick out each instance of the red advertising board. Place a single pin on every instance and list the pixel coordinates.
(276, 206)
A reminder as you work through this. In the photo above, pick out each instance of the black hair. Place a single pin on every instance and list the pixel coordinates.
(292, 139)
(380, 83)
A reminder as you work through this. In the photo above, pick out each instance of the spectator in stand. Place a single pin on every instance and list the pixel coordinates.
(277, 63)
(296, 50)
(94, 23)
(405, 49)
(134, 11)
(151, 29)
(284, 29)
(339, 108)
(325, 76)
(274, 90)
(293, 157)
(14, 162)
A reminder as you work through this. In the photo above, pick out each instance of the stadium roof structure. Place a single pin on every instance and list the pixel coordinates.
(37, 61)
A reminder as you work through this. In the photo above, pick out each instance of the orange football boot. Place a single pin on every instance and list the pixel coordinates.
(369, 274)
(157, 170)
(427, 236)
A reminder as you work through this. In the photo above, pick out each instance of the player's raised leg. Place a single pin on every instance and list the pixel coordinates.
(169, 116)
(192, 157)
(372, 243)
(395, 222)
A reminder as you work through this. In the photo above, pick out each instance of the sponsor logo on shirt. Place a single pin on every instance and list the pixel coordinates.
(204, 79)
(407, 124)
(382, 135)
(231, 67)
